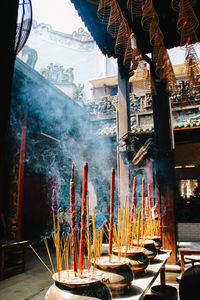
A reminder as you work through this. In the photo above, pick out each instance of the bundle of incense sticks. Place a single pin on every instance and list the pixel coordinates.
(141, 223)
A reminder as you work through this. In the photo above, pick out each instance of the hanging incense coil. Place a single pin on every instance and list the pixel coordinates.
(135, 7)
(192, 66)
(172, 82)
(161, 59)
(186, 39)
(132, 54)
(142, 76)
(176, 4)
(128, 54)
(115, 18)
(153, 29)
(148, 13)
(103, 11)
(122, 37)
(167, 73)
(187, 19)
(157, 42)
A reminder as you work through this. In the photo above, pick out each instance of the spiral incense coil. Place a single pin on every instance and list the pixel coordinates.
(122, 37)
(153, 29)
(157, 42)
(135, 7)
(186, 39)
(161, 59)
(132, 53)
(128, 54)
(103, 11)
(187, 19)
(148, 12)
(192, 67)
(115, 18)
(176, 4)
(142, 76)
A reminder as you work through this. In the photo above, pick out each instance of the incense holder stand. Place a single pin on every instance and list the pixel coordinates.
(118, 272)
(138, 260)
(85, 286)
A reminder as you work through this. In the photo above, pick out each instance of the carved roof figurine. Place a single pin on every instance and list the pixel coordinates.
(81, 35)
(58, 75)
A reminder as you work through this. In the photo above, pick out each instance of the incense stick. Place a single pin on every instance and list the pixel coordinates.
(47, 247)
(41, 260)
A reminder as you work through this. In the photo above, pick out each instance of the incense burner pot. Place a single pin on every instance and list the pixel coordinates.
(138, 260)
(117, 271)
(157, 242)
(149, 248)
(69, 287)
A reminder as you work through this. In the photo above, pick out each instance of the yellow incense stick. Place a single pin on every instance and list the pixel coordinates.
(41, 260)
(47, 247)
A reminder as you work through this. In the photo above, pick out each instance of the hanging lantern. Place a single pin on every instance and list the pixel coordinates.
(24, 22)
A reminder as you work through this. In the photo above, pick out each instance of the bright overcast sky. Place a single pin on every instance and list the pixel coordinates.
(60, 14)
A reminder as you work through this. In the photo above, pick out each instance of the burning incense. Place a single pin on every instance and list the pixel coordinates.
(138, 226)
(72, 172)
(143, 205)
(112, 190)
(150, 221)
(159, 218)
(73, 225)
(94, 239)
(83, 218)
(50, 259)
(88, 233)
(132, 211)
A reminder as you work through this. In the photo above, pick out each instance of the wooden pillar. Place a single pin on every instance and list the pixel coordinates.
(8, 31)
(165, 173)
(123, 128)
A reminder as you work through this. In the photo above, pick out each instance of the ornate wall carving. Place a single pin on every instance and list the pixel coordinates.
(79, 40)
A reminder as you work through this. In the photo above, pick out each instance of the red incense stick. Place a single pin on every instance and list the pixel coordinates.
(83, 218)
(112, 191)
(143, 204)
(159, 218)
(73, 225)
(132, 210)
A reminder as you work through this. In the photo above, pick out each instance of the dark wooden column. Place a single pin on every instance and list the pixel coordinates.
(7, 33)
(123, 127)
(164, 162)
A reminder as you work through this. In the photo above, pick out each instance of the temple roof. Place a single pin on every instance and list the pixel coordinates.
(167, 22)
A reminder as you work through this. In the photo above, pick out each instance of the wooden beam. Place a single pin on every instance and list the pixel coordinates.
(123, 128)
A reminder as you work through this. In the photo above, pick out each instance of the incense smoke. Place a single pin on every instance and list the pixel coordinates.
(58, 132)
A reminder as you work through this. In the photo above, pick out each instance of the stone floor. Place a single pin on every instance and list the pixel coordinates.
(35, 281)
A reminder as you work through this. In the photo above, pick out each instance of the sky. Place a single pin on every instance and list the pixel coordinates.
(60, 14)
(63, 17)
